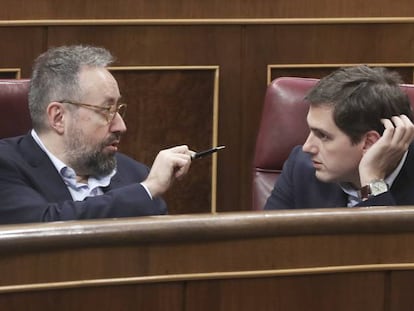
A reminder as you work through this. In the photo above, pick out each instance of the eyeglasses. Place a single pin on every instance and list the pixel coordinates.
(109, 112)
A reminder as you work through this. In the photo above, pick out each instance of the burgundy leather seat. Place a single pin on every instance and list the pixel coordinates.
(283, 126)
(14, 111)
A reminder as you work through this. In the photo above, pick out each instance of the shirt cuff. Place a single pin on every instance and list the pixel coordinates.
(147, 190)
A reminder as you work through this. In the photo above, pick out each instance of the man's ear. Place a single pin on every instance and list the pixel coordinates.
(56, 116)
(370, 138)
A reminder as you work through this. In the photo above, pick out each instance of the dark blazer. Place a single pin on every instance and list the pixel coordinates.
(297, 187)
(31, 189)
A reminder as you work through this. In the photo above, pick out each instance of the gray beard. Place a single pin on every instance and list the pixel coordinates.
(97, 164)
(87, 159)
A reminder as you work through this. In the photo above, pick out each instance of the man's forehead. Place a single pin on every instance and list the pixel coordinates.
(98, 80)
(320, 112)
(321, 117)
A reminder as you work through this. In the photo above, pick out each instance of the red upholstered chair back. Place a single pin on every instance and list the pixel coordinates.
(14, 111)
(282, 127)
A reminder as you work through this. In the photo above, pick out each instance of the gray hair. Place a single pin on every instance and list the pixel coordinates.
(55, 77)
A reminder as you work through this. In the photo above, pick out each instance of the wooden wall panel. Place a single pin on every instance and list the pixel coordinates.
(44, 9)
(19, 46)
(105, 298)
(169, 107)
(341, 43)
(401, 283)
(10, 73)
(406, 71)
(354, 291)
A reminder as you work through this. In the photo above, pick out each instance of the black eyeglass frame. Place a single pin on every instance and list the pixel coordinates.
(109, 111)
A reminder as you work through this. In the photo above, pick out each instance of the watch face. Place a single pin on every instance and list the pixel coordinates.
(378, 187)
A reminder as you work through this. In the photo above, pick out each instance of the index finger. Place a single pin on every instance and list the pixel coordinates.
(180, 149)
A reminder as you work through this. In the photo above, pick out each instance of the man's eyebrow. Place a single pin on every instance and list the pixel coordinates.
(112, 100)
(319, 130)
(313, 128)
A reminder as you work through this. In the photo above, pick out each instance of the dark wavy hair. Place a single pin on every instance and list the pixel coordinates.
(361, 96)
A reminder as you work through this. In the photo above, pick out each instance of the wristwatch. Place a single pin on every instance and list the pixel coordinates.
(374, 188)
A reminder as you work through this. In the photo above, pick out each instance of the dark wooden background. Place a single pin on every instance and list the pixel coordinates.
(248, 41)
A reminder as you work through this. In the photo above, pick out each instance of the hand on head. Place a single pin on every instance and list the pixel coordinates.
(169, 164)
(383, 156)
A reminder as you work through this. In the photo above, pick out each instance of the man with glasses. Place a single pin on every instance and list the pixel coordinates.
(68, 166)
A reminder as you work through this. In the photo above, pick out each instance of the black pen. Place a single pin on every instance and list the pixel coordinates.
(206, 152)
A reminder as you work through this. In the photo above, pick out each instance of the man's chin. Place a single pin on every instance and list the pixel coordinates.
(104, 166)
(323, 177)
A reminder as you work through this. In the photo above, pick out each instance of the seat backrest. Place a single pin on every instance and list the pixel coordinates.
(14, 111)
(283, 126)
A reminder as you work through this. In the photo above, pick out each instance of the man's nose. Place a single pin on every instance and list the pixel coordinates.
(118, 124)
(309, 146)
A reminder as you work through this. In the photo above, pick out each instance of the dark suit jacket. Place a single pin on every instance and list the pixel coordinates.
(31, 189)
(297, 187)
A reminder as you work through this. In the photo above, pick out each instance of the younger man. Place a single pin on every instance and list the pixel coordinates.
(359, 150)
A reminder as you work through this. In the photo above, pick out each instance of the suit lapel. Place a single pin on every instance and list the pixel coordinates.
(334, 197)
(403, 181)
(116, 182)
(47, 178)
